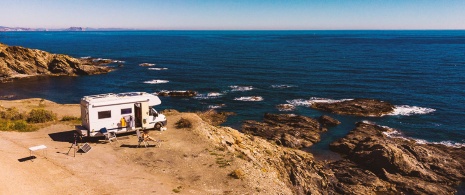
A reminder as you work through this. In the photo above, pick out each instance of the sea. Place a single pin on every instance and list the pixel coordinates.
(250, 73)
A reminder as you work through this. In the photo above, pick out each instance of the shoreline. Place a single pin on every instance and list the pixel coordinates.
(186, 155)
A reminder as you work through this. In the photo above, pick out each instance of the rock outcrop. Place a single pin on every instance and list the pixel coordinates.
(403, 165)
(328, 121)
(286, 129)
(357, 107)
(187, 93)
(373, 161)
(18, 61)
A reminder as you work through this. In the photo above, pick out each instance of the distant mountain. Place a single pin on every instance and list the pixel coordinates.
(73, 28)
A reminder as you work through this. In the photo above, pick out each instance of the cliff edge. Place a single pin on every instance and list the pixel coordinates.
(16, 62)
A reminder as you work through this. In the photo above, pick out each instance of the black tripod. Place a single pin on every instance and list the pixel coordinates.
(75, 144)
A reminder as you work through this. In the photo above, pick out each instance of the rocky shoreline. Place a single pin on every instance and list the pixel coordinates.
(19, 62)
(374, 162)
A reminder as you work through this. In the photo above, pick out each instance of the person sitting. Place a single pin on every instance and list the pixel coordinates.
(146, 136)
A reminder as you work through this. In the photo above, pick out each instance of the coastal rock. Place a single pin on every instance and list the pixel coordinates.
(357, 107)
(287, 129)
(328, 121)
(187, 93)
(285, 107)
(18, 61)
(411, 167)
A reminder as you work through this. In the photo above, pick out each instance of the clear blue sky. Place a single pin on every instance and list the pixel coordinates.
(235, 14)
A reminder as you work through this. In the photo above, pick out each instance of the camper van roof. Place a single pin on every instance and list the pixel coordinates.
(122, 97)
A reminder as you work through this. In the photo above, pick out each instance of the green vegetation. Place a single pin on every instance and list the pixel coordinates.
(71, 119)
(183, 123)
(13, 120)
(178, 189)
(41, 116)
(16, 125)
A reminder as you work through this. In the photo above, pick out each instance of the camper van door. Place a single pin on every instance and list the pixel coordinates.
(145, 114)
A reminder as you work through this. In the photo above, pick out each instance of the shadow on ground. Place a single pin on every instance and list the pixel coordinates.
(136, 146)
(27, 158)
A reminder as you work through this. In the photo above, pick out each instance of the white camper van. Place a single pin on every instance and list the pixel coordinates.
(119, 113)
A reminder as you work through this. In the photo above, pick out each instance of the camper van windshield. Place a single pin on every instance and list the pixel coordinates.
(153, 112)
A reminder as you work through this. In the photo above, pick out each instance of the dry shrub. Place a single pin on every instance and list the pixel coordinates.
(12, 114)
(183, 123)
(213, 117)
(71, 118)
(237, 174)
(41, 116)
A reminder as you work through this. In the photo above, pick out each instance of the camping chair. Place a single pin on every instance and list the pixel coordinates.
(109, 135)
(141, 139)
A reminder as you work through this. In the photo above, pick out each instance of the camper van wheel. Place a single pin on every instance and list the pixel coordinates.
(158, 126)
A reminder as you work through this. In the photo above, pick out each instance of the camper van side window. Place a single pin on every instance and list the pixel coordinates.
(104, 114)
(126, 111)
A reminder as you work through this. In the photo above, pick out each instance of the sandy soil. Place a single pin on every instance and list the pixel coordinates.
(185, 163)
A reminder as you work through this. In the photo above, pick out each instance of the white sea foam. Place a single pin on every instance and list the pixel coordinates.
(214, 94)
(118, 61)
(393, 133)
(210, 95)
(282, 86)
(299, 102)
(241, 88)
(85, 57)
(158, 68)
(250, 99)
(156, 81)
(285, 107)
(216, 106)
(309, 102)
(146, 64)
(406, 110)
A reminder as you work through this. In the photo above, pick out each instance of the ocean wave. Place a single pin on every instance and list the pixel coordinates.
(119, 61)
(406, 110)
(86, 57)
(282, 86)
(250, 99)
(146, 64)
(445, 143)
(156, 81)
(309, 102)
(393, 133)
(210, 95)
(216, 106)
(240, 88)
(158, 68)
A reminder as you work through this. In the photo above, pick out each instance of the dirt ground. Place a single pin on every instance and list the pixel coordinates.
(185, 163)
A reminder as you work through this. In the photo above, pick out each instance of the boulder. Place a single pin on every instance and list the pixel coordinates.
(357, 107)
(328, 121)
(411, 167)
(187, 93)
(287, 129)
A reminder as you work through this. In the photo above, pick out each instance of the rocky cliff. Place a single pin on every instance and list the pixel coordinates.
(18, 61)
(374, 162)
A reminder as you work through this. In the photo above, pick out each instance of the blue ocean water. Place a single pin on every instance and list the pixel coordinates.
(420, 71)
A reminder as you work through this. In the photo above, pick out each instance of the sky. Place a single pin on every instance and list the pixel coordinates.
(235, 14)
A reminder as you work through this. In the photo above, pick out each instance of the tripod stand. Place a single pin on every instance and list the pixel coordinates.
(74, 144)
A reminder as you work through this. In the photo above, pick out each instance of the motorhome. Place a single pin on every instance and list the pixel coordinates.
(119, 113)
